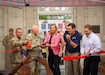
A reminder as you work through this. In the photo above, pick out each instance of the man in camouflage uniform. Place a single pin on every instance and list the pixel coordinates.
(35, 50)
(102, 65)
(17, 43)
(7, 39)
(6, 43)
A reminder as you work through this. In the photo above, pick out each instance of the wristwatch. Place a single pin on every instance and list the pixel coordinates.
(69, 40)
(90, 54)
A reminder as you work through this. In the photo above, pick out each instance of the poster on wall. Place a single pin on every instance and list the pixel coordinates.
(60, 25)
(43, 26)
(49, 26)
(96, 28)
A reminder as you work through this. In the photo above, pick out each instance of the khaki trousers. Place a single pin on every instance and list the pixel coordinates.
(72, 67)
(7, 61)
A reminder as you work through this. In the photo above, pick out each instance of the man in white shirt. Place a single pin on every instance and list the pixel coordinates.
(91, 44)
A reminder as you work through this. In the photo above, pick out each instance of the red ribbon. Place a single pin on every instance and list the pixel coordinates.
(9, 51)
(73, 57)
(101, 52)
(79, 57)
(28, 45)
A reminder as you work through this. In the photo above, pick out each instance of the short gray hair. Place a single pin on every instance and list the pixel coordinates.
(34, 26)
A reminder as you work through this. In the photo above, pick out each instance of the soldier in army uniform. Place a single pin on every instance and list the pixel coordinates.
(102, 65)
(17, 43)
(6, 43)
(7, 39)
(35, 50)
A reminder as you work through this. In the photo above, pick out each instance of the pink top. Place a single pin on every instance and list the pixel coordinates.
(55, 42)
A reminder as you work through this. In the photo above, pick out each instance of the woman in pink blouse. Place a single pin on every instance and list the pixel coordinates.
(52, 41)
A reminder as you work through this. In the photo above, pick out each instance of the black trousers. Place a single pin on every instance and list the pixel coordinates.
(54, 61)
(91, 65)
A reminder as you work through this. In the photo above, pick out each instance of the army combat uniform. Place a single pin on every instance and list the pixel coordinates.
(17, 56)
(34, 51)
(6, 43)
(7, 39)
(102, 61)
(102, 64)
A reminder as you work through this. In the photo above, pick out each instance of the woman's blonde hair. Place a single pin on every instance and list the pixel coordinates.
(55, 27)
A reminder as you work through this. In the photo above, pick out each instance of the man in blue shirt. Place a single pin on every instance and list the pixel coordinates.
(91, 44)
(72, 41)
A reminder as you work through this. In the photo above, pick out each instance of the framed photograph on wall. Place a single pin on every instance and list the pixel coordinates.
(43, 26)
(96, 28)
(49, 25)
(60, 25)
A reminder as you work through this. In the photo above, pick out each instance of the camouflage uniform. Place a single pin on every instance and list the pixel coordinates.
(34, 51)
(7, 39)
(6, 43)
(102, 61)
(17, 56)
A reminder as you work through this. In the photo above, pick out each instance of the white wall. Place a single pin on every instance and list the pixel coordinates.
(2, 54)
(94, 15)
(13, 18)
(26, 17)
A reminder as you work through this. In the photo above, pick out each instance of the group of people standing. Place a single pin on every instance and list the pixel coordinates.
(75, 45)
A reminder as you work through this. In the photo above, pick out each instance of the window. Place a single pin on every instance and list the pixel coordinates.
(55, 17)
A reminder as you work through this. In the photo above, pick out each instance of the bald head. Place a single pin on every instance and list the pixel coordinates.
(35, 29)
(34, 26)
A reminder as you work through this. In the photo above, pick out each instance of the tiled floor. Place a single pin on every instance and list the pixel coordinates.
(43, 72)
